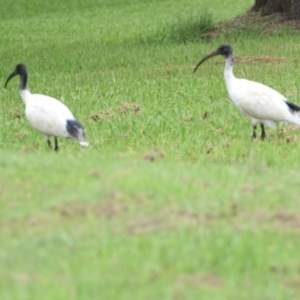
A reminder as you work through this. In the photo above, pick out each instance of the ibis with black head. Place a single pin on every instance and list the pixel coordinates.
(48, 115)
(262, 104)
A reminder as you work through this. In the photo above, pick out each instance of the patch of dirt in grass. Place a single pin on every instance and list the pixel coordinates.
(292, 282)
(122, 109)
(136, 218)
(33, 222)
(249, 189)
(114, 207)
(287, 220)
(153, 154)
(21, 135)
(202, 280)
(280, 269)
(173, 218)
(130, 107)
(30, 148)
(95, 173)
(17, 114)
(37, 221)
(145, 224)
(108, 209)
(234, 215)
(289, 133)
(165, 219)
(279, 220)
(25, 278)
(101, 116)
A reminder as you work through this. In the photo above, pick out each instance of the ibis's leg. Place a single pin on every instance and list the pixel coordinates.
(254, 133)
(55, 144)
(48, 141)
(263, 133)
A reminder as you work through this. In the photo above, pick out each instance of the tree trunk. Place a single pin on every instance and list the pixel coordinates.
(294, 9)
(272, 7)
(268, 7)
(259, 4)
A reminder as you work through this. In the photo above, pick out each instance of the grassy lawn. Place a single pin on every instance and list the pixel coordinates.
(172, 200)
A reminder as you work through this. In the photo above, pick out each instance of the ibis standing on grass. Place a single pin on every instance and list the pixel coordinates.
(262, 104)
(48, 115)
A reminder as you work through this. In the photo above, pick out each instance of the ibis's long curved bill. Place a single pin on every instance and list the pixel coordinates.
(214, 53)
(13, 74)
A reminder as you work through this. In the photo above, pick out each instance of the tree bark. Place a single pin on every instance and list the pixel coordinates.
(272, 7)
(268, 7)
(294, 9)
(259, 4)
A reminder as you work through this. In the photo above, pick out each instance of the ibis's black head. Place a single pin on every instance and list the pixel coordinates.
(225, 50)
(19, 70)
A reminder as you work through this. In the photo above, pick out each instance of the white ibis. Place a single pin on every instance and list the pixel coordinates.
(262, 104)
(48, 115)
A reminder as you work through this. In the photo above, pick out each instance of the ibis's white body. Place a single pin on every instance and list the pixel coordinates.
(48, 115)
(262, 104)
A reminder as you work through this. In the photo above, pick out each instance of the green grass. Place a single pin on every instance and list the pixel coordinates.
(172, 200)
